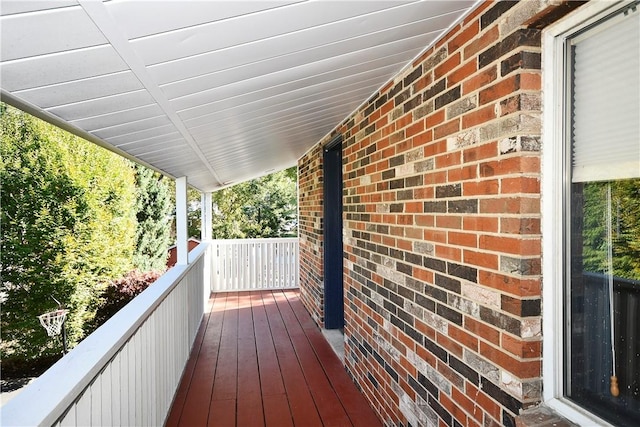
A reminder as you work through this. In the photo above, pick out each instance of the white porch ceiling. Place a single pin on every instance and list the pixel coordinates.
(218, 91)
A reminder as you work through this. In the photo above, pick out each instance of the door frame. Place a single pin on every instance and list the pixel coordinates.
(332, 235)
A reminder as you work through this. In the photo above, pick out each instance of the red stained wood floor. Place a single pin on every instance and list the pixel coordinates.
(260, 360)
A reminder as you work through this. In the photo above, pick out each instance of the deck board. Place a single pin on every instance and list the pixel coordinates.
(259, 360)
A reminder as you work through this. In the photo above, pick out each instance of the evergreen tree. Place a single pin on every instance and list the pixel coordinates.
(153, 212)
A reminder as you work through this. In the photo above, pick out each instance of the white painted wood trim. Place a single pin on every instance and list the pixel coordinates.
(207, 217)
(182, 245)
(553, 215)
(252, 264)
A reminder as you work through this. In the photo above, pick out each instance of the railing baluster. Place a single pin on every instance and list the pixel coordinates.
(128, 370)
(255, 264)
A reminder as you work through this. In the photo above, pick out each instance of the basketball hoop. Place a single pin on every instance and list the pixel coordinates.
(53, 321)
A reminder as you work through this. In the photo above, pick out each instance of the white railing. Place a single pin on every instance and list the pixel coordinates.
(128, 370)
(250, 264)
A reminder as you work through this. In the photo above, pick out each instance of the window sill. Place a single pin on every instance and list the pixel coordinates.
(542, 416)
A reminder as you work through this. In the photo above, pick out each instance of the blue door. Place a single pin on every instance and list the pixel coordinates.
(333, 284)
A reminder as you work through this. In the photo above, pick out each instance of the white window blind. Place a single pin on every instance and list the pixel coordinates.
(606, 101)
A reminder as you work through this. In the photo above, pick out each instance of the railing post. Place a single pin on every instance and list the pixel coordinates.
(181, 221)
(206, 233)
(206, 226)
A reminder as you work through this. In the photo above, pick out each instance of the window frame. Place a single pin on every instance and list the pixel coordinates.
(554, 193)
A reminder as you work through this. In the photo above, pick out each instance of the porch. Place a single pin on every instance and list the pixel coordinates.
(260, 360)
(223, 340)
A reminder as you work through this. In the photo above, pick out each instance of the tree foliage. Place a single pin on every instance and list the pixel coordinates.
(153, 213)
(263, 207)
(120, 292)
(625, 227)
(68, 225)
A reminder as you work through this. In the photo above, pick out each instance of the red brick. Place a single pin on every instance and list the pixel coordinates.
(522, 287)
(449, 64)
(463, 37)
(522, 348)
(462, 174)
(427, 356)
(389, 152)
(454, 409)
(425, 329)
(407, 389)
(464, 402)
(435, 118)
(510, 205)
(404, 121)
(462, 239)
(422, 139)
(490, 36)
(448, 160)
(422, 83)
(504, 87)
(413, 233)
(477, 117)
(374, 116)
(487, 404)
(447, 36)
(477, 11)
(462, 73)
(531, 81)
(449, 344)
(407, 342)
(435, 148)
(425, 220)
(505, 185)
(512, 245)
(415, 129)
(520, 185)
(439, 177)
(486, 224)
(423, 193)
(484, 188)
(405, 220)
(521, 369)
(480, 152)
(413, 207)
(463, 337)
(404, 244)
(481, 259)
(482, 330)
(446, 129)
(381, 123)
(520, 225)
(449, 221)
(447, 252)
(424, 275)
(436, 236)
(512, 165)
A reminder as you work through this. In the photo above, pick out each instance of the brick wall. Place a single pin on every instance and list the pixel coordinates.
(310, 215)
(442, 227)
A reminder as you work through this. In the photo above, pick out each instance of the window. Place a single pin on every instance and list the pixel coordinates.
(592, 181)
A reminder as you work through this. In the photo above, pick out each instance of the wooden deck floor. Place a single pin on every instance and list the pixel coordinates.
(260, 360)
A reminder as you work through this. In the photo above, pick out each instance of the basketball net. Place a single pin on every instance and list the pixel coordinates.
(53, 321)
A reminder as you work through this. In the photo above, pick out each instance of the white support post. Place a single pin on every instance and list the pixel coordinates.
(206, 232)
(181, 221)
